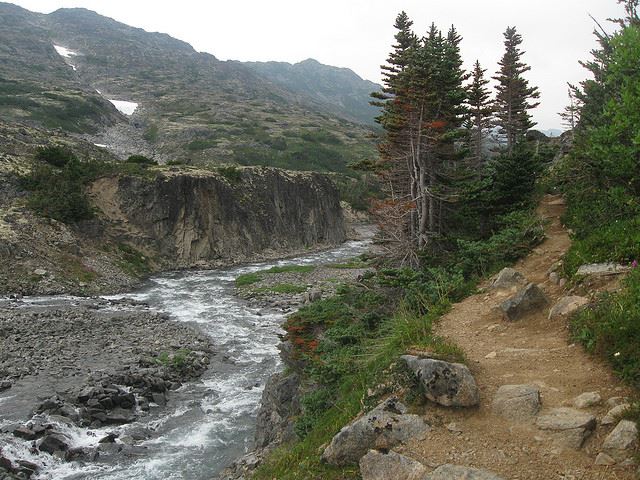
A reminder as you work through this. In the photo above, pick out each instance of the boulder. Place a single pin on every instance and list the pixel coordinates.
(587, 399)
(570, 427)
(602, 269)
(390, 466)
(5, 385)
(517, 402)
(621, 443)
(567, 306)
(457, 472)
(508, 279)
(54, 442)
(526, 301)
(614, 414)
(448, 384)
(604, 460)
(384, 427)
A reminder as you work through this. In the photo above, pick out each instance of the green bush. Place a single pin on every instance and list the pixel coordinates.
(141, 160)
(55, 155)
(232, 173)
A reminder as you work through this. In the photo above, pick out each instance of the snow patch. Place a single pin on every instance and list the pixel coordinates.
(101, 145)
(99, 92)
(64, 52)
(124, 107)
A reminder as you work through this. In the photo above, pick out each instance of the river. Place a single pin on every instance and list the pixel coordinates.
(208, 423)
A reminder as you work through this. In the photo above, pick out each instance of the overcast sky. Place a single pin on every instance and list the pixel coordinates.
(358, 33)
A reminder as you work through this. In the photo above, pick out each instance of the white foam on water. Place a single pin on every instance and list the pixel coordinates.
(124, 106)
(64, 52)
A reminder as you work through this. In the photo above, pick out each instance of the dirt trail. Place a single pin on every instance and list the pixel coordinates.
(532, 351)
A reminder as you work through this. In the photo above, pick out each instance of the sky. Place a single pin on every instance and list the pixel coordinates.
(358, 34)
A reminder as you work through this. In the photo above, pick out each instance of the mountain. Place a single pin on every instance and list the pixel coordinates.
(74, 69)
(340, 90)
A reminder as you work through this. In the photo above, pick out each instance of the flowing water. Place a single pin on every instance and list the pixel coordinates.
(207, 423)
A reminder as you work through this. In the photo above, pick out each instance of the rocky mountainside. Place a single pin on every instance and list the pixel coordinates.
(340, 90)
(140, 92)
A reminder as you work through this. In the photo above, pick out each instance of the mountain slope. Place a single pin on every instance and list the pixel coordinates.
(191, 107)
(340, 90)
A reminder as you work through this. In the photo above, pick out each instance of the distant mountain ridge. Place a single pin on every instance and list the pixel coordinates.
(192, 107)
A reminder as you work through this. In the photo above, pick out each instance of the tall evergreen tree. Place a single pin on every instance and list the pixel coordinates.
(514, 96)
(480, 113)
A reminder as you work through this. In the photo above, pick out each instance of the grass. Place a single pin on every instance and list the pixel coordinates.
(133, 261)
(291, 268)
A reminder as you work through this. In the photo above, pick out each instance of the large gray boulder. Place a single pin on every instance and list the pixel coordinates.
(377, 465)
(528, 300)
(508, 279)
(622, 442)
(384, 427)
(448, 384)
(570, 427)
(54, 442)
(567, 306)
(517, 402)
(457, 472)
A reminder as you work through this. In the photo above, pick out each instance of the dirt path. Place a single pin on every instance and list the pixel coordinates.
(532, 351)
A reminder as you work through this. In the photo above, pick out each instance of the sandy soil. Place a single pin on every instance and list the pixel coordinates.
(532, 351)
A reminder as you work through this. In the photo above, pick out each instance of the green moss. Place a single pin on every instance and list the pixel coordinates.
(247, 279)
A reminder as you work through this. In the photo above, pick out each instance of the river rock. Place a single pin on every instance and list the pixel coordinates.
(377, 465)
(602, 269)
(5, 385)
(528, 300)
(587, 399)
(570, 427)
(614, 414)
(384, 427)
(621, 443)
(448, 384)
(567, 306)
(457, 472)
(54, 442)
(517, 402)
(508, 279)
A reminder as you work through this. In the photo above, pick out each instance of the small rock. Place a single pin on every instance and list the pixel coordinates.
(604, 459)
(570, 427)
(456, 472)
(554, 278)
(622, 441)
(586, 400)
(508, 278)
(491, 355)
(602, 269)
(448, 384)
(390, 466)
(526, 301)
(517, 402)
(5, 385)
(562, 282)
(40, 272)
(615, 401)
(567, 306)
(454, 428)
(614, 414)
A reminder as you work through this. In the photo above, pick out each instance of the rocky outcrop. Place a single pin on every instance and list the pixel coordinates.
(279, 404)
(198, 218)
(448, 384)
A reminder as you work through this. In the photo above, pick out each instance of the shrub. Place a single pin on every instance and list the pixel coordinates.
(55, 155)
(141, 160)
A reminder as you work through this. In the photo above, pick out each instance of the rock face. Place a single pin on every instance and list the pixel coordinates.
(456, 472)
(384, 427)
(390, 466)
(448, 384)
(195, 218)
(566, 306)
(621, 443)
(279, 404)
(570, 427)
(526, 301)
(509, 278)
(517, 402)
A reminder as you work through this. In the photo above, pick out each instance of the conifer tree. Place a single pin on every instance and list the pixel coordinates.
(480, 112)
(514, 96)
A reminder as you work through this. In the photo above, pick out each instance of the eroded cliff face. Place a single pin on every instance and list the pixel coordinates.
(185, 218)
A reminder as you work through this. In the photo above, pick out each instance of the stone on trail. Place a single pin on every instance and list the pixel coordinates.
(508, 278)
(457, 472)
(517, 402)
(570, 427)
(567, 306)
(448, 384)
(614, 414)
(384, 427)
(526, 301)
(587, 399)
(602, 269)
(621, 443)
(376, 465)
(604, 460)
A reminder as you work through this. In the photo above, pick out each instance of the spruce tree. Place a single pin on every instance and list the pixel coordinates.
(514, 96)
(480, 113)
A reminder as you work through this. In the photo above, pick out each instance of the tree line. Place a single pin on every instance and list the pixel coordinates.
(434, 163)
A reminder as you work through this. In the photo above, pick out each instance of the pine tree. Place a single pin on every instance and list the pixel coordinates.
(514, 95)
(571, 114)
(480, 112)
